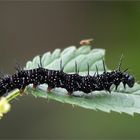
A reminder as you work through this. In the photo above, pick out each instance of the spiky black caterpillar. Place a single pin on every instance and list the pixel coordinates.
(71, 82)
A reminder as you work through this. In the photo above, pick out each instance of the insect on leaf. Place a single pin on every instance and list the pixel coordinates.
(120, 100)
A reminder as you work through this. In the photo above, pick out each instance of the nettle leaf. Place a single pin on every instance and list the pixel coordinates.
(123, 100)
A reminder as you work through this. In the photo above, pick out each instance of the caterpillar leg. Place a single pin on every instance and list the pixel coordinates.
(69, 93)
(34, 86)
(21, 91)
(49, 89)
(109, 91)
(124, 85)
(116, 87)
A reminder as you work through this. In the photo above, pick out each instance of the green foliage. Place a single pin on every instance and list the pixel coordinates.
(123, 100)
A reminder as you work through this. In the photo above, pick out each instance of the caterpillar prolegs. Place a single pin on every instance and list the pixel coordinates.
(70, 82)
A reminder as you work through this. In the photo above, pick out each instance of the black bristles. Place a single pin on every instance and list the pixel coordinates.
(61, 66)
(104, 65)
(76, 68)
(97, 70)
(88, 68)
(120, 63)
(71, 82)
(40, 62)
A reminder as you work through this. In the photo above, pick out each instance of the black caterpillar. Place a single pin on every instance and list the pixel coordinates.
(71, 82)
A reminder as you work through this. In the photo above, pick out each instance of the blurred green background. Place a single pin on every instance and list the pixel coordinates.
(31, 28)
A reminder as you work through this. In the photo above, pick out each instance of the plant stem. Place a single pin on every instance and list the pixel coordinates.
(13, 95)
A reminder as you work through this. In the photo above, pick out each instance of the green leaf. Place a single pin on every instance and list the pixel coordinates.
(123, 100)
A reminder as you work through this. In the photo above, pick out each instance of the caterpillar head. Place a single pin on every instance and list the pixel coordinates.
(129, 80)
(126, 77)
